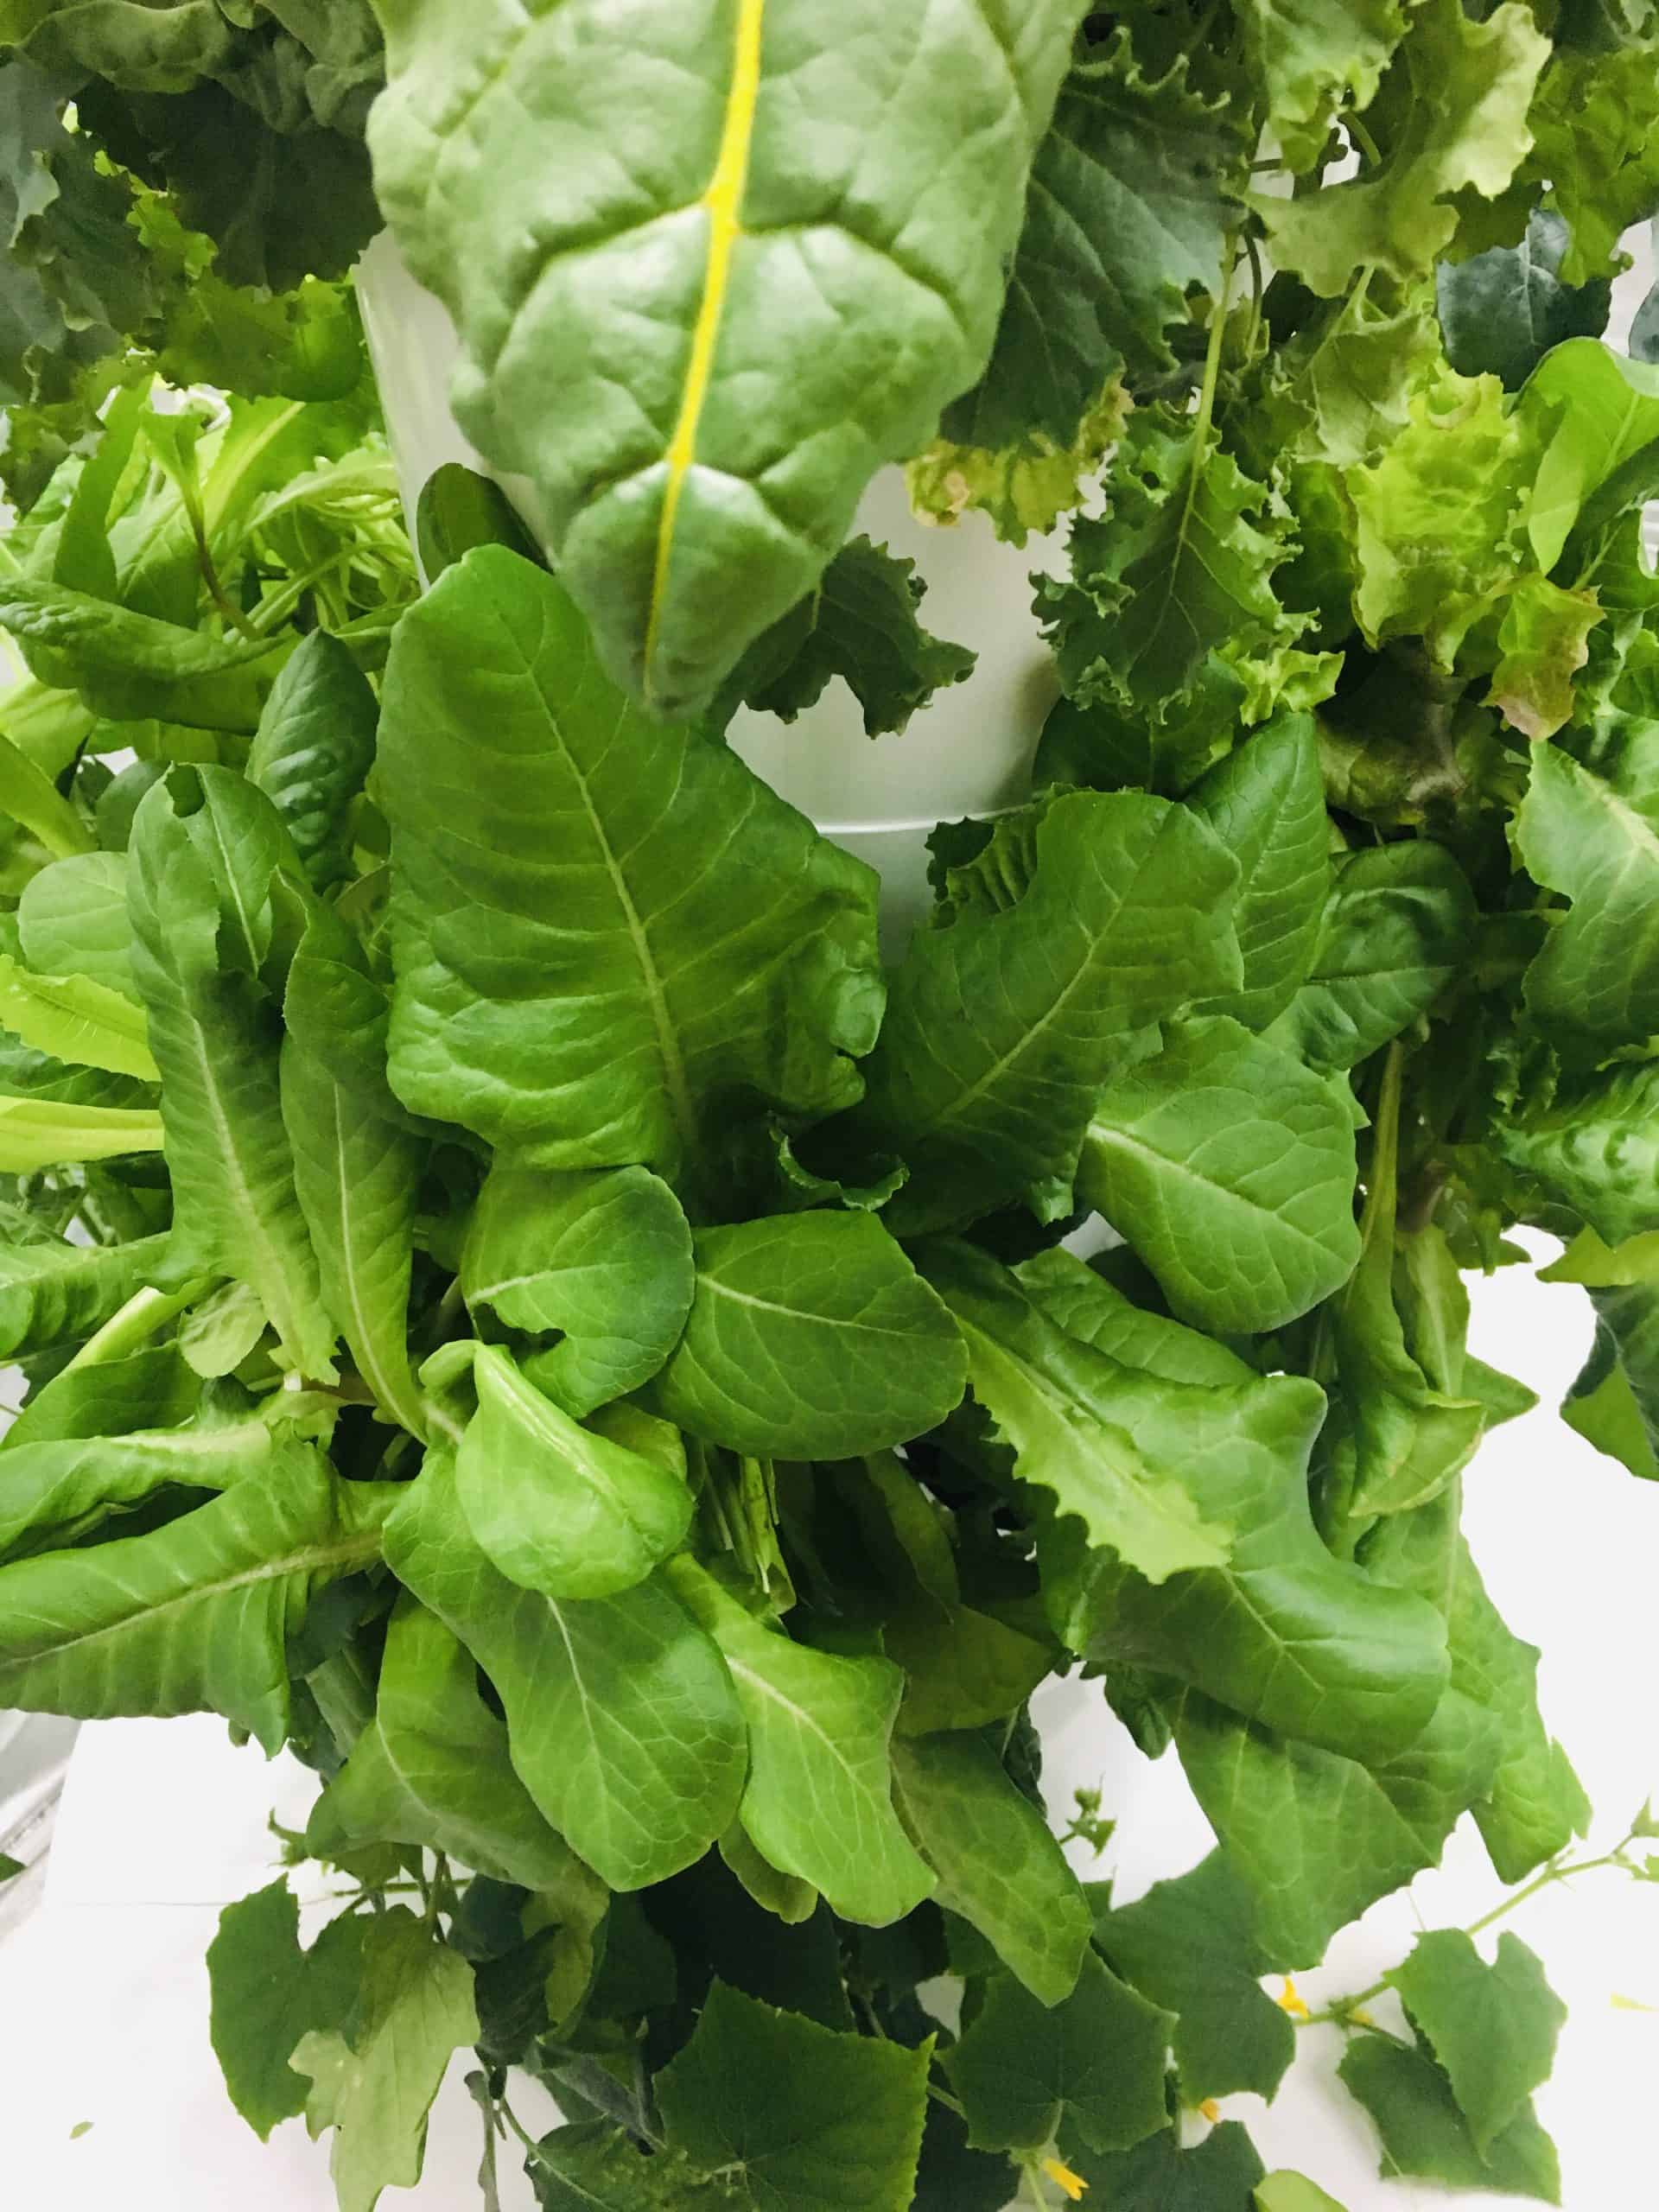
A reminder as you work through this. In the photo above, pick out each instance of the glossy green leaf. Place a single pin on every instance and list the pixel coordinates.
(1423, 2133)
(132, 667)
(414, 2011)
(1266, 803)
(819, 1801)
(38, 1133)
(1002, 1027)
(1594, 413)
(1492, 2028)
(1317, 1837)
(216, 1336)
(811, 1336)
(205, 849)
(459, 509)
(793, 2114)
(685, 517)
(267, 1993)
(997, 1864)
(312, 750)
(1395, 932)
(73, 921)
(559, 1510)
(603, 1261)
(76, 1020)
(150, 1388)
(1230, 1168)
(605, 931)
(1079, 1424)
(51, 1292)
(433, 1772)
(1093, 2062)
(1218, 2175)
(1190, 1946)
(194, 1617)
(621, 1715)
(1595, 838)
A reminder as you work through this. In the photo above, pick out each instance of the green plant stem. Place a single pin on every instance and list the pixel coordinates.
(1363, 139)
(943, 2097)
(144, 1314)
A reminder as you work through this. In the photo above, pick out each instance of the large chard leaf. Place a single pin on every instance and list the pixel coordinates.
(810, 1336)
(608, 934)
(1230, 1168)
(1003, 1027)
(558, 1509)
(432, 1770)
(621, 1715)
(1079, 1424)
(789, 323)
(1281, 1631)
(603, 1261)
(205, 849)
(194, 1617)
(819, 1801)
(998, 1865)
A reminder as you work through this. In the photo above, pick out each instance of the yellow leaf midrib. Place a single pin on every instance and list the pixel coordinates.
(724, 203)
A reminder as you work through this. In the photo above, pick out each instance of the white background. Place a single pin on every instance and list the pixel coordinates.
(103, 1994)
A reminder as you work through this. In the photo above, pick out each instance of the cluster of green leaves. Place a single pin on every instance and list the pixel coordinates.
(522, 1307)
(183, 185)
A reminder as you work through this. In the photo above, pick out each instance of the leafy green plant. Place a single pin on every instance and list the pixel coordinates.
(519, 1305)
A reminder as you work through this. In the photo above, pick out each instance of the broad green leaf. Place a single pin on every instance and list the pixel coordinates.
(1317, 1838)
(811, 1336)
(998, 1865)
(1455, 99)
(36, 1133)
(592, 2166)
(862, 625)
(218, 1335)
(357, 1166)
(194, 1617)
(1595, 415)
(1534, 1806)
(963, 1668)
(312, 750)
(1543, 643)
(1492, 2028)
(1230, 1168)
(606, 932)
(1218, 2175)
(1317, 62)
(1502, 311)
(1101, 743)
(785, 1895)
(1190, 1946)
(1438, 528)
(1597, 1152)
(1002, 1027)
(205, 850)
(1266, 803)
(1594, 137)
(1590, 1259)
(149, 1389)
(76, 1020)
(267, 1993)
(54, 1293)
(1423, 2133)
(1595, 838)
(131, 667)
(1284, 2191)
(73, 921)
(795, 2117)
(1395, 932)
(375, 2090)
(558, 1509)
(1181, 566)
(603, 1261)
(1093, 2062)
(819, 1801)
(621, 1715)
(1126, 214)
(29, 797)
(1079, 1299)
(1080, 1425)
(53, 1490)
(952, 2176)
(1614, 1403)
(1281, 1631)
(694, 483)
(433, 1772)
(459, 509)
